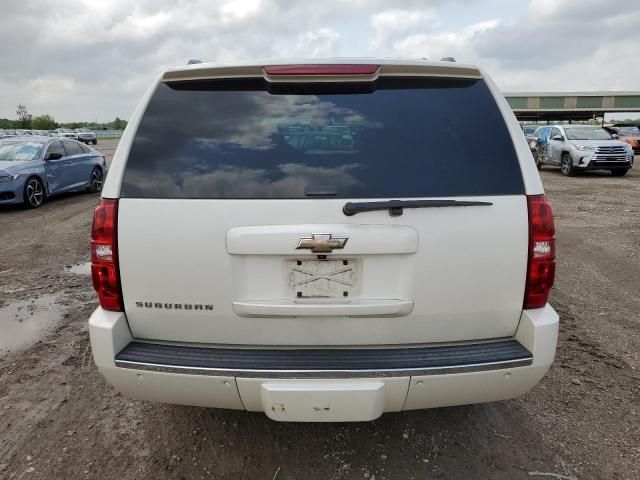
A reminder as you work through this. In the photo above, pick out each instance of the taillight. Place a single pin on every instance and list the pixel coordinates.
(541, 268)
(104, 255)
(335, 69)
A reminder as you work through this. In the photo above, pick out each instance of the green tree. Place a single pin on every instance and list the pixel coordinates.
(119, 124)
(24, 117)
(43, 122)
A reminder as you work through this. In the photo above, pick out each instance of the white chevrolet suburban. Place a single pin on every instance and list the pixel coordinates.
(323, 241)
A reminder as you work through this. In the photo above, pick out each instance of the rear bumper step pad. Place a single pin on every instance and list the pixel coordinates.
(318, 363)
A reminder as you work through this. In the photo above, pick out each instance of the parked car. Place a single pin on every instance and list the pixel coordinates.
(528, 130)
(576, 148)
(402, 267)
(87, 136)
(41, 133)
(630, 135)
(529, 133)
(7, 133)
(538, 143)
(531, 139)
(65, 133)
(34, 168)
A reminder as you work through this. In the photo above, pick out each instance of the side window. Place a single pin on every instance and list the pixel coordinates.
(555, 131)
(84, 148)
(72, 148)
(55, 147)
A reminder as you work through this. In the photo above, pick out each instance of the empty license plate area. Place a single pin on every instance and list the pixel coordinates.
(318, 278)
(323, 401)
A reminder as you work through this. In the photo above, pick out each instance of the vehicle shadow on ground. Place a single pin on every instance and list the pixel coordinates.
(584, 174)
(478, 441)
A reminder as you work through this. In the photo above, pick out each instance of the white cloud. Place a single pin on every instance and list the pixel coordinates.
(319, 43)
(397, 21)
(395, 27)
(47, 89)
(239, 9)
(436, 44)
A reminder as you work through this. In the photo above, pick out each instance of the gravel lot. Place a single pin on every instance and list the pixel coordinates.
(60, 420)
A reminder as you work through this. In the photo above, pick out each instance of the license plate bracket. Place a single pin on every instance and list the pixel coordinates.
(323, 278)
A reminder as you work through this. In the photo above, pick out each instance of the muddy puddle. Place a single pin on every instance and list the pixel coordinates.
(80, 268)
(24, 322)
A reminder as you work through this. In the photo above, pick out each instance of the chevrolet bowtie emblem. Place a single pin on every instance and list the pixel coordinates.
(322, 243)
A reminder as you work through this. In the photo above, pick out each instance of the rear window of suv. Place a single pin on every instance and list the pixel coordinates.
(247, 139)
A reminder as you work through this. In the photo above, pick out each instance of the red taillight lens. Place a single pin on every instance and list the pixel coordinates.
(541, 269)
(104, 255)
(337, 69)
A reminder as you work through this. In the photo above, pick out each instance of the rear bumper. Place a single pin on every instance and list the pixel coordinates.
(325, 385)
(324, 363)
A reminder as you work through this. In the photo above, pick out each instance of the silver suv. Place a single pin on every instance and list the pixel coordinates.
(582, 147)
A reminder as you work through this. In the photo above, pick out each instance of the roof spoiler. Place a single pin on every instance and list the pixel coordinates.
(300, 73)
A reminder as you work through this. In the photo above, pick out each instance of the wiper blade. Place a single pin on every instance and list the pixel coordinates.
(396, 207)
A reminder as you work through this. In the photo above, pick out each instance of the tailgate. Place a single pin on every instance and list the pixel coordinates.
(431, 275)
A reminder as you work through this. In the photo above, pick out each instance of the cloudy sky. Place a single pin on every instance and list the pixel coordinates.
(91, 60)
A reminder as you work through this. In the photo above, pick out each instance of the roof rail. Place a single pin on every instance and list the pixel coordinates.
(447, 59)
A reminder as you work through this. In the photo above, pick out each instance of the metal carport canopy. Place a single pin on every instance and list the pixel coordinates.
(571, 105)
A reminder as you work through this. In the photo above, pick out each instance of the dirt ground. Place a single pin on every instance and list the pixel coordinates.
(60, 420)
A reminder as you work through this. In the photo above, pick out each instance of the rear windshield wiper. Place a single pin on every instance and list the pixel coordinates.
(396, 207)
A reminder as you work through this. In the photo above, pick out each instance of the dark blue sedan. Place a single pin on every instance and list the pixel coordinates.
(34, 168)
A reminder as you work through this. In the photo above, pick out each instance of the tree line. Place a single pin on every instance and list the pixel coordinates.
(24, 120)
